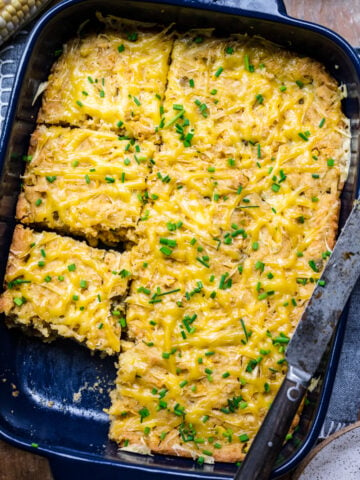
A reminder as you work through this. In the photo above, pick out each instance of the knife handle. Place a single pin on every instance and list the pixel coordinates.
(260, 459)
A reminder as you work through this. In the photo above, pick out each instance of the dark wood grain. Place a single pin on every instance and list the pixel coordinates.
(18, 465)
(342, 16)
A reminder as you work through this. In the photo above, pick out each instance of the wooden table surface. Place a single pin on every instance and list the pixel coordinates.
(343, 16)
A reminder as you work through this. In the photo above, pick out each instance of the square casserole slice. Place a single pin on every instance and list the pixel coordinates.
(110, 81)
(84, 182)
(57, 286)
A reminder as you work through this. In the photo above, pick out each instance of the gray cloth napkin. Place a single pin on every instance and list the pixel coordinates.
(345, 401)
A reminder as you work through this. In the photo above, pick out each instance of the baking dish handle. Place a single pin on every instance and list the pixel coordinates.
(274, 7)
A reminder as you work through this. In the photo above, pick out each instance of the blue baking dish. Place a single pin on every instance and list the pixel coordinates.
(52, 396)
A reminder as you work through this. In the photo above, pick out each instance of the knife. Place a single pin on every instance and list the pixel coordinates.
(306, 348)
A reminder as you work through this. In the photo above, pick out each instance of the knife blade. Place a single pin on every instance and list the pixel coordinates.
(306, 348)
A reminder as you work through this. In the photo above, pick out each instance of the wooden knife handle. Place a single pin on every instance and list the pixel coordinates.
(267, 444)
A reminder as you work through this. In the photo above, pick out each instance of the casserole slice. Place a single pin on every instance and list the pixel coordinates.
(57, 286)
(107, 81)
(84, 182)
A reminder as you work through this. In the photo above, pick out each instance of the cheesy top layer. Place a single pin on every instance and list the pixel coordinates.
(108, 81)
(84, 286)
(241, 217)
(89, 183)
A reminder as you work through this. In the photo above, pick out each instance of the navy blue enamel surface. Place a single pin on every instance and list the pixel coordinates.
(62, 387)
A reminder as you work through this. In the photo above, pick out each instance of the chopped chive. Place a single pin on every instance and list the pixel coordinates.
(191, 83)
(282, 88)
(258, 150)
(219, 72)
(132, 36)
(213, 91)
(41, 263)
(137, 101)
(322, 122)
(83, 283)
(87, 179)
(79, 103)
(143, 412)
(255, 246)
(229, 50)
(109, 179)
(313, 265)
(166, 251)
(246, 333)
(248, 66)
(168, 241)
(259, 98)
(183, 383)
(75, 298)
(299, 83)
(330, 162)
(275, 187)
(72, 267)
(259, 266)
(168, 293)
(203, 262)
(303, 136)
(51, 179)
(19, 301)
(121, 48)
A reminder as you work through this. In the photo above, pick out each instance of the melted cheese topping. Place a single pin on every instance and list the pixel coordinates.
(101, 80)
(84, 286)
(237, 220)
(243, 205)
(85, 182)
